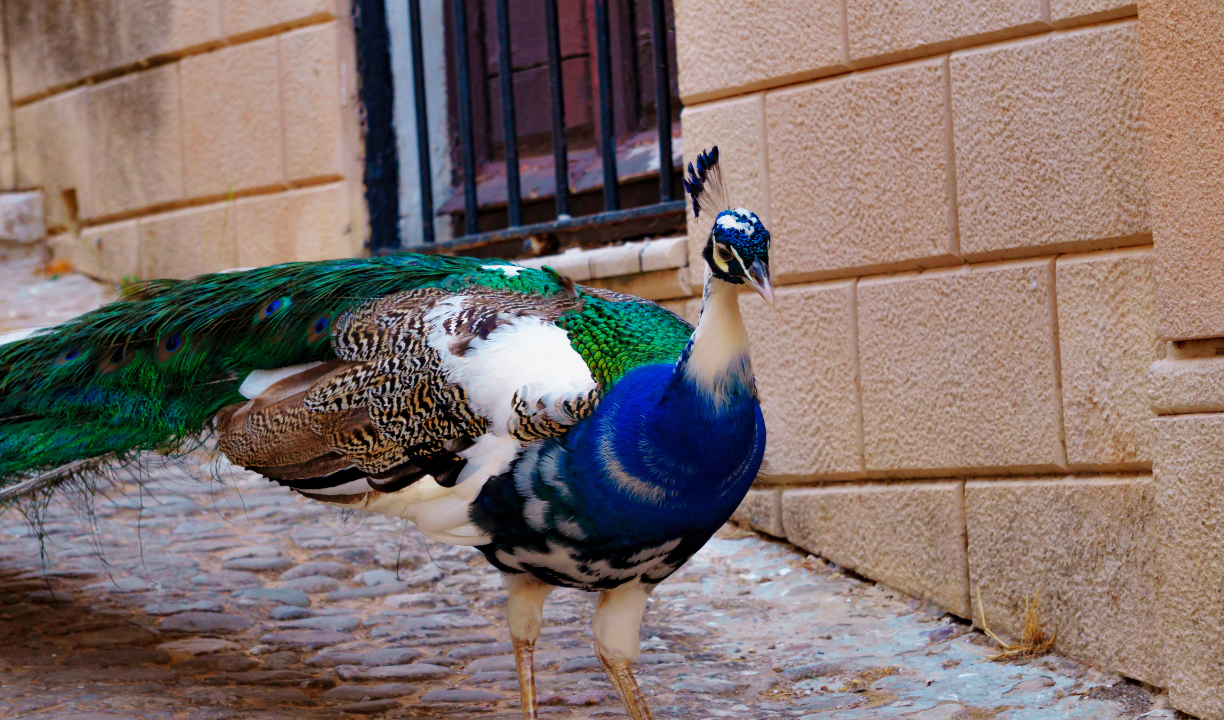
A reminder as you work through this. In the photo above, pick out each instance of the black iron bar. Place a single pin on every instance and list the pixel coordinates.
(422, 122)
(607, 132)
(671, 214)
(556, 83)
(662, 98)
(514, 196)
(471, 211)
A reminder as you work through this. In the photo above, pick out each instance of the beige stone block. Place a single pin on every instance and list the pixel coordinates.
(1184, 113)
(664, 254)
(107, 252)
(310, 80)
(1107, 342)
(907, 535)
(726, 47)
(573, 264)
(8, 157)
(154, 28)
(59, 42)
(243, 17)
(27, 54)
(1193, 385)
(1049, 143)
(308, 224)
(188, 242)
(135, 141)
(761, 510)
(887, 30)
(1190, 493)
(608, 262)
(1089, 545)
(959, 370)
(737, 127)
(232, 133)
(860, 173)
(658, 285)
(1065, 13)
(804, 359)
(52, 139)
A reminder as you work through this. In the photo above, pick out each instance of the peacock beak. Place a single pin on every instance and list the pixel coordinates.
(758, 277)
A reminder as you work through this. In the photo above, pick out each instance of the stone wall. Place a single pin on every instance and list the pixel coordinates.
(184, 136)
(955, 375)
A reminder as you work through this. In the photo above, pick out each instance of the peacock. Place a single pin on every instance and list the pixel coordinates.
(577, 437)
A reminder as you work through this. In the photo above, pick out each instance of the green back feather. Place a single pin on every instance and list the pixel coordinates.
(148, 373)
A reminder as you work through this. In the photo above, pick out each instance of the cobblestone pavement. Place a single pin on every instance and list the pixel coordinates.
(205, 592)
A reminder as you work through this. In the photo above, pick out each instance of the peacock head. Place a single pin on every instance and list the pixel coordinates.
(738, 251)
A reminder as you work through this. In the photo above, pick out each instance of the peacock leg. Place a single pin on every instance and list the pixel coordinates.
(525, 615)
(618, 623)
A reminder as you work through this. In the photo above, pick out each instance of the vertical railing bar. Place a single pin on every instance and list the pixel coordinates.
(556, 84)
(607, 132)
(467, 142)
(422, 121)
(662, 98)
(514, 197)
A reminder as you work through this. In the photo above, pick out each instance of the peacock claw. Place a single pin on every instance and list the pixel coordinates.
(620, 674)
(524, 663)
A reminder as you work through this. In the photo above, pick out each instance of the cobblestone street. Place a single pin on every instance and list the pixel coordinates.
(206, 592)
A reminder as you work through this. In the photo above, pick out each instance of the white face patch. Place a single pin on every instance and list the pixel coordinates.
(735, 221)
(509, 270)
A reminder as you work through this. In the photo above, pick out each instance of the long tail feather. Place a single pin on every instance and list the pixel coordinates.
(148, 373)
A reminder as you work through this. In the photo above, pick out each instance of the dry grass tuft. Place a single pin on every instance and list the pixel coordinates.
(1033, 641)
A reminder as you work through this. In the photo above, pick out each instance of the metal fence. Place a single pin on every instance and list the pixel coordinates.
(667, 209)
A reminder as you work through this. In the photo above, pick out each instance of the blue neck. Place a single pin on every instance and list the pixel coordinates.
(675, 447)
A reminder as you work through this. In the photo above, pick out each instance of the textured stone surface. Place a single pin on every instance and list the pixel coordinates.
(310, 83)
(56, 44)
(109, 252)
(188, 242)
(885, 30)
(308, 224)
(809, 336)
(1049, 143)
(959, 369)
(762, 510)
(760, 43)
(1107, 343)
(908, 535)
(1089, 546)
(737, 127)
(135, 141)
(1184, 113)
(1187, 385)
(1190, 493)
(860, 172)
(53, 154)
(22, 218)
(232, 136)
(244, 18)
(1078, 12)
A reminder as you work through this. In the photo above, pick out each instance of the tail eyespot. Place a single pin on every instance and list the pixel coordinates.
(319, 328)
(68, 356)
(271, 308)
(169, 346)
(117, 359)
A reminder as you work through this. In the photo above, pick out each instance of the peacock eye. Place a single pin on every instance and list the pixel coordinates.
(117, 356)
(320, 325)
(173, 342)
(273, 307)
(72, 354)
